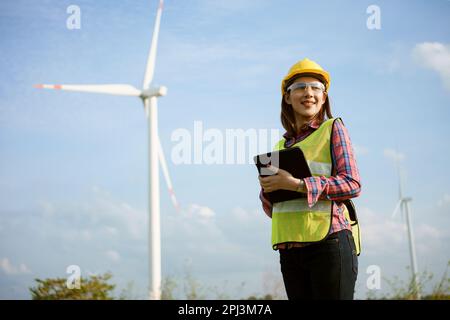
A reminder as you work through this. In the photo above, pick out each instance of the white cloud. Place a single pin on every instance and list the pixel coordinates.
(360, 150)
(195, 223)
(246, 216)
(200, 211)
(383, 235)
(99, 215)
(428, 232)
(10, 269)
(394, 155)
(444, 201)
(86, 234)
(379, 235)
(434, 56)
(113, 255)
(232, 245)
(241, 214)
(117, 214)
(47, 208)
(110, 230)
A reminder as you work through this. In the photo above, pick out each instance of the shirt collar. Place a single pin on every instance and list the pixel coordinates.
(313, 124)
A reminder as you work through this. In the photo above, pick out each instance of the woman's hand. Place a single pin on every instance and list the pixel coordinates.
(280, 180)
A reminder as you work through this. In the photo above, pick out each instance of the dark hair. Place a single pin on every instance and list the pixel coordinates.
(287, 113)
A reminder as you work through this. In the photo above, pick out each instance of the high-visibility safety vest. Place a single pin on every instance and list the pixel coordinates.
(294, 220)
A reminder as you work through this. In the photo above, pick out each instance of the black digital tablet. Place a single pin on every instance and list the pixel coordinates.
(293, 161)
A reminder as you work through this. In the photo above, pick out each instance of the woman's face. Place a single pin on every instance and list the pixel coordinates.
(306, 101)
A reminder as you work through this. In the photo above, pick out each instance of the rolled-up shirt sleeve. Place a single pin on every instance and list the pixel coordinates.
(345, 181)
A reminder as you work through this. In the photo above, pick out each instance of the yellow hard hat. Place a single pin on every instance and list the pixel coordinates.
(309, 67)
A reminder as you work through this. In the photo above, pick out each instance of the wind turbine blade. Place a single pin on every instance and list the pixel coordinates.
(396, 208)
(116, 89)
(148, 77)
(162, 161)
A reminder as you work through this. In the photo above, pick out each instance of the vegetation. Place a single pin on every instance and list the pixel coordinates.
(92, 288)
(100, 288)
(401, 290)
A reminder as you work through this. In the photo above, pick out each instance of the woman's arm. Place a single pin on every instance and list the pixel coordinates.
(345, 183)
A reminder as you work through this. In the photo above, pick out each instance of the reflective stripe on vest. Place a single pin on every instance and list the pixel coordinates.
(294, 220)
(319, 169)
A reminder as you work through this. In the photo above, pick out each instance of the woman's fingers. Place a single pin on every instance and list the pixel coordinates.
(264, 183)
(267, 183)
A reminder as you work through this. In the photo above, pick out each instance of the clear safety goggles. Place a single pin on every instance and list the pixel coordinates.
(315, 86)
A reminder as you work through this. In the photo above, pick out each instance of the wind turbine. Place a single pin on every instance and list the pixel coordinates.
(148, 95)
(403, 205)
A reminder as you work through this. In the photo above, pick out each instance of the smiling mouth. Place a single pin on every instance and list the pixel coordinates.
(308, 103)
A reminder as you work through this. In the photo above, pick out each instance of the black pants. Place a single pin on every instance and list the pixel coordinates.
(325, 270)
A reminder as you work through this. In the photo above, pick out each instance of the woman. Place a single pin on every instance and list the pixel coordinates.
(313, 234)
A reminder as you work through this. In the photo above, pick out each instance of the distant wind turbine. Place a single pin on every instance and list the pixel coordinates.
(148, 95)
(403, 205)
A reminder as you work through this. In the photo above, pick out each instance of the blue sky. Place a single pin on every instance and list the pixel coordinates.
(73, 166)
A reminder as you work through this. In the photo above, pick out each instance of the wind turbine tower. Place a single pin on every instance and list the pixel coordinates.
(149, 95)
(403, 205)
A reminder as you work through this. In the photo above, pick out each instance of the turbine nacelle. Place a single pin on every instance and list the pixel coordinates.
(154, 92)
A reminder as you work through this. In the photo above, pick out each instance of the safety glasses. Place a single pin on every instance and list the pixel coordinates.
(315, 86)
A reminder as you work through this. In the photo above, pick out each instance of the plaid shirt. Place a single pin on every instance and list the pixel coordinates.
(344, 183)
